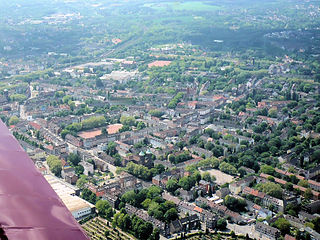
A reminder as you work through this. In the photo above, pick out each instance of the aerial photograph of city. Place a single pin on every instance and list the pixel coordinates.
(159, 119)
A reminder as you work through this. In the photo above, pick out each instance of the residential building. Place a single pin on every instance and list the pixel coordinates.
(88, 168)
(185, 224)
(113, 200)
(68, 194)
(267, 230)
(237, 187)
(221, 193)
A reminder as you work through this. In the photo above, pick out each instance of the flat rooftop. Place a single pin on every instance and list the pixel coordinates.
(66, 193)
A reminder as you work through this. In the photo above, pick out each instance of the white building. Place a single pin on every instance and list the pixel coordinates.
(68, 194)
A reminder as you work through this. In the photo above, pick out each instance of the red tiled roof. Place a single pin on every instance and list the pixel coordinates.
(314, 182)
(198, 209)
(218, 97)
(192, 103)
(253, 192)
(263, 175)
(159, 64)
(35, 125)
(278, 180)
(269, 120)
(302, 189)
(261, 104)
(50, 147)
(288, 237)
(116, 40)
(64, 107)
(257, 207)
(288, 173)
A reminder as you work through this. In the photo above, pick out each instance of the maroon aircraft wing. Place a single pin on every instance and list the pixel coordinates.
(29, 208)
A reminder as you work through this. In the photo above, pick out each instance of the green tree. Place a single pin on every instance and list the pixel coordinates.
(207, 177)
(235, 204)
(221, 224)
(146, 203)
(171, 215)
(17, 98)
(271, 188)
(217, 151)
(172, 185)
(316, 223)
(81, 182)
(267, 169)
(227, 168)
(303, 183)
(109, 213)
(293, 209)
(74, 159)
(93, 122)
(154, 191)
(125, 128)
(144, 231)
(129, 197)
(294, 179)
(196, 176)
(156, 113)
(13, 120)
(99, 83)
(104, 131)
(54, 164)
(79, 170)
(187, 182)
(155, 234)
(289, 186)
(128, 120)
(316, 156)
(111, 148)
(242, 172)
(66, 99)
(141, 125)
(64, 133)
(102, 206)
(91, 197)
(153, 208)
(308, 193)
(283, 225)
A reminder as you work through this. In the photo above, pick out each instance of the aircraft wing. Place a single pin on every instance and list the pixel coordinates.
(29, 207)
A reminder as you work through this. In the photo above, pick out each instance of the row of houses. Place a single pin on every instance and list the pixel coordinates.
(316, 195)
(267, 200)
(313, 184)
(220, 210)
(208, 218)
